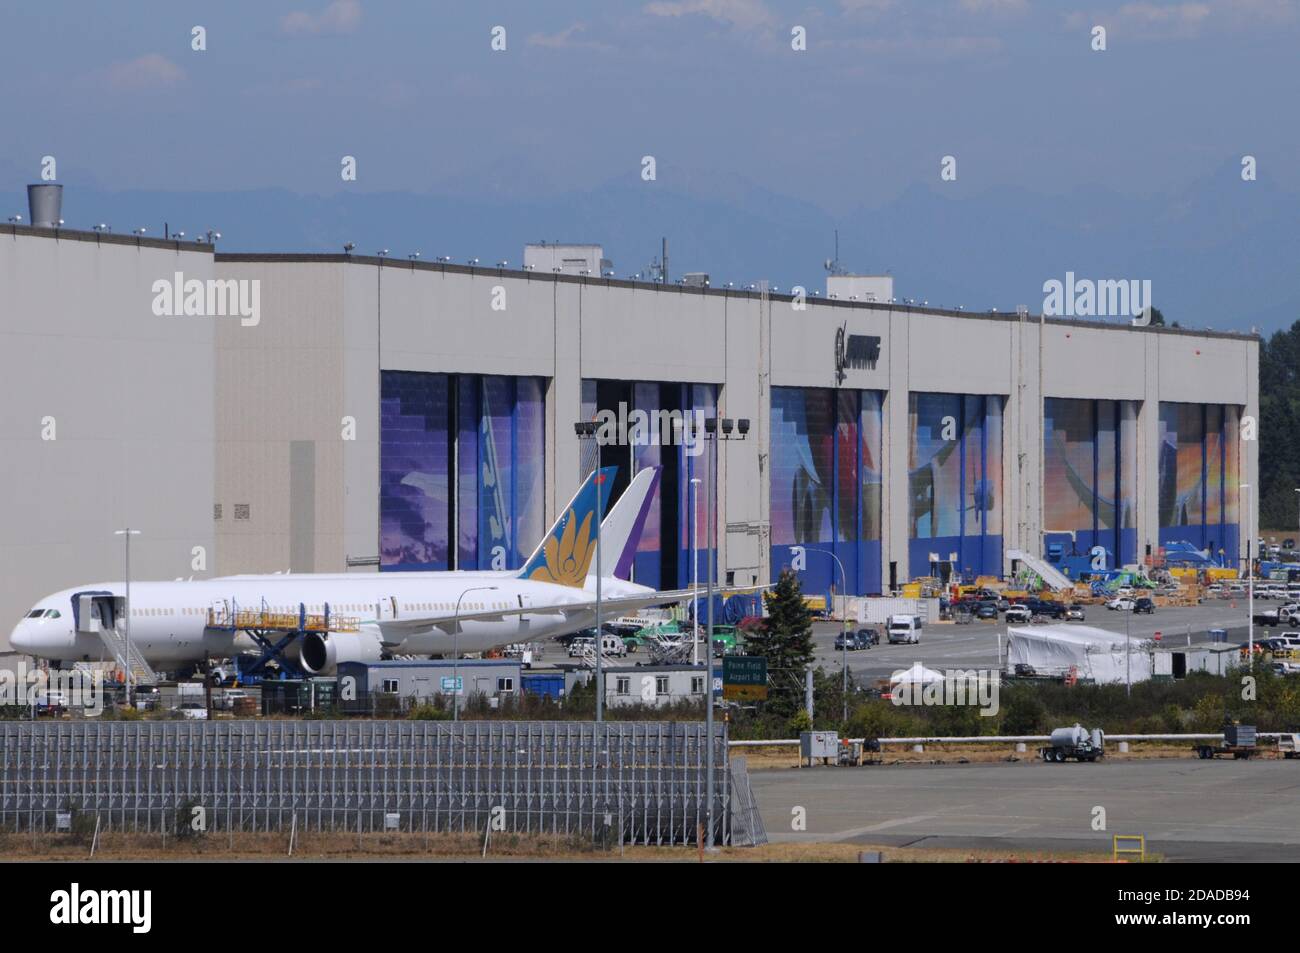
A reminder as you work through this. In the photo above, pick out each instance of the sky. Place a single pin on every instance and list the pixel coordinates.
(861, 119)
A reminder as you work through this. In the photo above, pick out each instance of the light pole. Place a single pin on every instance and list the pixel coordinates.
(1250, 584)
(844, 637)
(714, 430)
(1128, 651)
(127, 534)
(695, 571)
(587, 430)
(455, 652)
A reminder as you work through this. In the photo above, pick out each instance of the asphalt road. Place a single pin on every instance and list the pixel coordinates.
(1220, 810)
(975, 646)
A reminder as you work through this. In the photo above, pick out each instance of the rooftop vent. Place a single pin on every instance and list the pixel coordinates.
(45, 205)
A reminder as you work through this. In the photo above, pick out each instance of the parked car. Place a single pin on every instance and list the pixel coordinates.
(229, 698)
(1074, 613)
(1289, 640)
(146, 698)
(1053, 610)
(870, 636)
(193, 711)
(987, 610)
(850, 641)
(53, 703)
(1144, 605)
(1019, 613)
(1120, 604)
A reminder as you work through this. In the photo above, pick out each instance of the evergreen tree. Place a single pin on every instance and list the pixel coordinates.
(786, 642)
(1279, 422)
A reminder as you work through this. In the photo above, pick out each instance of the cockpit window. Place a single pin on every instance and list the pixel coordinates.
(36, 613)
(53, 614)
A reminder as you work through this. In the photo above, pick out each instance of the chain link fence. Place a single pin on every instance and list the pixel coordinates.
(620, 782)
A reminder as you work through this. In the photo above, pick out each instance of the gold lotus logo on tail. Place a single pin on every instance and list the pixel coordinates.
(568, 557)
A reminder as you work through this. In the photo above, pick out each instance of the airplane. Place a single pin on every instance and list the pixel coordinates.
(393, 613)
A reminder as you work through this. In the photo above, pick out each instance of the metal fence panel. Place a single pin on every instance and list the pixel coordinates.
(623, 782)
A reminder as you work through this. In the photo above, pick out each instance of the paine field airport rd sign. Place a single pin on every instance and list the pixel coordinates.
(744, 678)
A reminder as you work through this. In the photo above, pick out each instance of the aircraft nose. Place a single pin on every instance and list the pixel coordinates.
(20, 639)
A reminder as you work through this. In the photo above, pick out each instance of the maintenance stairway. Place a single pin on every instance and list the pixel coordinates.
(133, 661)
(1052, 577)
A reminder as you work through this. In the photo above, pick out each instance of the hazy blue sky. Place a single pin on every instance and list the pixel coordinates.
(1124, 163)
(711, 88)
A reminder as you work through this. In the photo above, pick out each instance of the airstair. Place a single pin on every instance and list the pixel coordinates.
(1052, 577)
(133, 661)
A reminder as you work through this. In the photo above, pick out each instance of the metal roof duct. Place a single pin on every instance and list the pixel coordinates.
(45, 205)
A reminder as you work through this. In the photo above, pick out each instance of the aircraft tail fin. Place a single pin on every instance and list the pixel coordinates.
(620, 534)
(569, 547)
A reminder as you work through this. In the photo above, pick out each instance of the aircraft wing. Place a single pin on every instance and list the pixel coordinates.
(608, 608)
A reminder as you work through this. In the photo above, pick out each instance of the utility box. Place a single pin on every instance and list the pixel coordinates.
(819, 744)
(1239, 736)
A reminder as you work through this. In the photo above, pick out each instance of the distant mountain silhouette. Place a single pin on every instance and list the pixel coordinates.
(1220, 254)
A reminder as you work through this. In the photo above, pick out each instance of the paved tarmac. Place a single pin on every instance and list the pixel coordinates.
(947, 645)
(1219, 810)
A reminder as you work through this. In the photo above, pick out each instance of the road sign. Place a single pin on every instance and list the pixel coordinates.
(453, 684)
(744, 678)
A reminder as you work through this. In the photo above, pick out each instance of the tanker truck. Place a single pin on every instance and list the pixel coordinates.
(1074, 742)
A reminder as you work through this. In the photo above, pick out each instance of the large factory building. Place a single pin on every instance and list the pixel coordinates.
(360, 413)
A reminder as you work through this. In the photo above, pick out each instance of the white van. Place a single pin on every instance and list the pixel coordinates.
(904, 628)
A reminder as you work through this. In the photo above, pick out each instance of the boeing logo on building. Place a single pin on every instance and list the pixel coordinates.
(858, 351)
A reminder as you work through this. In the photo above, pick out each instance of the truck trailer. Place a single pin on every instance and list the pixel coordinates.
(1074, 743)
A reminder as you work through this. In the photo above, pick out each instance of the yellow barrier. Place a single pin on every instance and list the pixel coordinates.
(1140, 851)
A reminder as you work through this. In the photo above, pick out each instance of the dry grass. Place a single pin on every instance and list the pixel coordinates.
(787, 756)
(436, 847)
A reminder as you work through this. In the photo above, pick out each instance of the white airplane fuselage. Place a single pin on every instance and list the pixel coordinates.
(169, 620)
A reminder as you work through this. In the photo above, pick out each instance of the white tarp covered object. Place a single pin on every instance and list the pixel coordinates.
(1094, 654)
(918, 674)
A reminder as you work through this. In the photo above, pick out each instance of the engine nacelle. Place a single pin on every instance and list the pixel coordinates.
(322, 652)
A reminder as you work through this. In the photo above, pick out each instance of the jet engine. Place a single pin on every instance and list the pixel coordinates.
(322, 652)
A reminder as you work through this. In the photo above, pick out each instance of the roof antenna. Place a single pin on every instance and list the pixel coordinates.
(832, 265)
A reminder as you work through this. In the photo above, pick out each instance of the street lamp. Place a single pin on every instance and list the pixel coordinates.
(1128, 648)
(715, 429)
(455, 651)
(587, 430)
(127, 534)
(695, 571)
(1250, 585)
